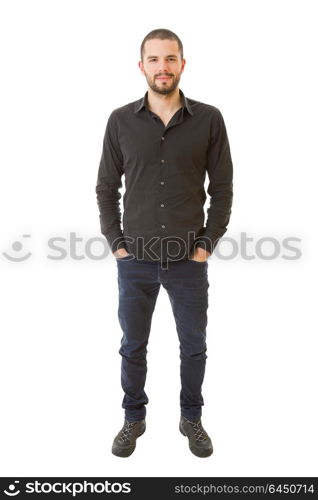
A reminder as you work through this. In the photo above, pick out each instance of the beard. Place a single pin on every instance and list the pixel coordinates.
(165, 87)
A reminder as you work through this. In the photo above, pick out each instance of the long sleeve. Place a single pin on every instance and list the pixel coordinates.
(108, 185)
(220, 188)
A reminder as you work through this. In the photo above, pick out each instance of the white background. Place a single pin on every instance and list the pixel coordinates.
(65, 66)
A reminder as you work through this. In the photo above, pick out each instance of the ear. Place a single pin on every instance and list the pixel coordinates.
(183, 65)
(141, 67)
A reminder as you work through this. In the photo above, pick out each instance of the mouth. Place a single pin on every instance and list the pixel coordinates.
(163, 77)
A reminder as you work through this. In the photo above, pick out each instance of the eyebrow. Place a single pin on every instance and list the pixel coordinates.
(171, 55)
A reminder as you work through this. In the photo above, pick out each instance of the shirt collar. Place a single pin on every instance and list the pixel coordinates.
(142, 103)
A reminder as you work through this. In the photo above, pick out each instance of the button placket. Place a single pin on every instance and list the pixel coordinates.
(162, 182)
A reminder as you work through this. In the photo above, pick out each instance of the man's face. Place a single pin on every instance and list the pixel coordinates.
(162, 65)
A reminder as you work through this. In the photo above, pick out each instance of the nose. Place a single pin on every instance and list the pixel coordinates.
(163, 67)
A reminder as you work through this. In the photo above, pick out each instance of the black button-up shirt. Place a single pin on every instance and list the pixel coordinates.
(165, 168)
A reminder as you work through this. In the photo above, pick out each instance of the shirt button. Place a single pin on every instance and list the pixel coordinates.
(162, 205)
(162, 182)
(162, 138)
(162, 161)
(163, 226)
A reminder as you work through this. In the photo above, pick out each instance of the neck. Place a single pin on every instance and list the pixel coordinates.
(164, 103)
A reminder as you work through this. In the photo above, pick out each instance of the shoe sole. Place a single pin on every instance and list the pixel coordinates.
(198, 452)
(127, 451)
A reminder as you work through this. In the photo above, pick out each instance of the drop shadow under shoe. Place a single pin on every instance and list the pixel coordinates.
(125, 442)
(199, 442)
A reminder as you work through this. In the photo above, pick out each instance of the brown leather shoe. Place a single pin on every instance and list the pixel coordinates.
(199, 442)
(125, 442)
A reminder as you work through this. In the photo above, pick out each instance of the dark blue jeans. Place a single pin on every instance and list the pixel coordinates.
(187, 285)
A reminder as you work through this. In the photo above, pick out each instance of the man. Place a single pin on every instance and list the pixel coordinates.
(164, 144)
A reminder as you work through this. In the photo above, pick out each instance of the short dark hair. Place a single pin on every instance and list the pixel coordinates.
(162, 34)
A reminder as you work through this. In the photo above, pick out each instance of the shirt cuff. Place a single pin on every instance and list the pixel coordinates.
(116, 242)
(207, 243)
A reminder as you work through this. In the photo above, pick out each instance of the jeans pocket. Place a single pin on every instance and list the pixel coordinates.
(127, 257)
(198, 262)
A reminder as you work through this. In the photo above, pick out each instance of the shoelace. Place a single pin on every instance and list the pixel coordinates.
(199, 432)
(128, 426)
